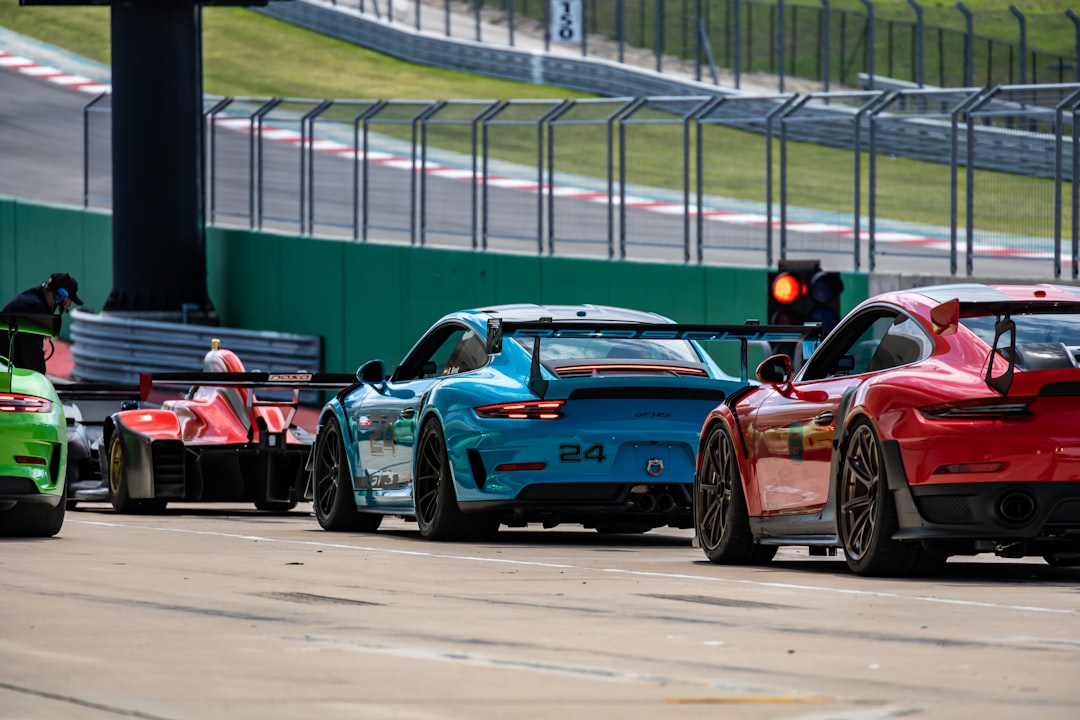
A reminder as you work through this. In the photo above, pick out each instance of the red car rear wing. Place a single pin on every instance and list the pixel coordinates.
(287, 380)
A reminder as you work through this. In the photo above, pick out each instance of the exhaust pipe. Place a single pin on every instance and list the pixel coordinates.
(1015, 507)
(647, 502)
(665, 503)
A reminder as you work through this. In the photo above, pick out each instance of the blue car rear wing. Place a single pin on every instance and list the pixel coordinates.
(751, 331)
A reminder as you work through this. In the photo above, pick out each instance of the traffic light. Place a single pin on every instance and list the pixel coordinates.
(801, 292)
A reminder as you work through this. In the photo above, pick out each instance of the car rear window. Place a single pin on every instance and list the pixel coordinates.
(1030, 327)
(585, 348)
(1033, 330)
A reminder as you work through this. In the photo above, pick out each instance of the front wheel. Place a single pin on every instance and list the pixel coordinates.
(867, 514)
(335, 507)
(721, 520)
(118, 483)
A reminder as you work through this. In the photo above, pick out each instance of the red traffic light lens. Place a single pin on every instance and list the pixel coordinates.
(787, 288)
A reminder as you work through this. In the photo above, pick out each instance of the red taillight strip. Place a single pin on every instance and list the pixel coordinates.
(681, 369)
(530, 410)
(10, 402)
(520, 467)
(989, 409)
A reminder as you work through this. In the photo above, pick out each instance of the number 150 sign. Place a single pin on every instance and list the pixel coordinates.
(566, 21)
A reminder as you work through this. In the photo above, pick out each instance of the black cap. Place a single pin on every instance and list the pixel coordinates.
(64, 281)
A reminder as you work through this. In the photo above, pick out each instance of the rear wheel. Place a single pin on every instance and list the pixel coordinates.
(721, 520)
(867, 514)
(32, 520)
(118, 483)
(335, 507)
(1062, 559)
(437, 513)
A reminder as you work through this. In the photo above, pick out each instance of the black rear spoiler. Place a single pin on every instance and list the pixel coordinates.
(294, 380)
(33, 323)
(750, 331)
(72, 392)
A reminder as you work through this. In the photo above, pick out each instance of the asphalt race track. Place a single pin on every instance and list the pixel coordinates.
(223, 612)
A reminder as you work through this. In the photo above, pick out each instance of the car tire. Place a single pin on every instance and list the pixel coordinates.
(32, 520)
(332, 492)
(437, 513)
(1062, 559)
(721, 521)
(866, 514)
(118, 484)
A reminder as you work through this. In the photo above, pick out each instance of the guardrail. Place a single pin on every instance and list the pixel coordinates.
(115, 349)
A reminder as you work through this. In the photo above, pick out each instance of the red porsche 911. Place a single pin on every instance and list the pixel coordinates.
(932, 422)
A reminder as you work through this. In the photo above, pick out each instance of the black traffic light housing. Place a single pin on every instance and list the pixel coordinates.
(801, 292)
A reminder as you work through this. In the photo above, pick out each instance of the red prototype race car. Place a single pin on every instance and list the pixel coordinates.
(219, 442)
(931, 422)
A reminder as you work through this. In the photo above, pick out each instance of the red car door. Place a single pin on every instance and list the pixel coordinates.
(792, 430)
(793, 445)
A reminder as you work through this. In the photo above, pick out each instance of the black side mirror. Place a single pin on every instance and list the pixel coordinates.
(372, 372)
(775, 369)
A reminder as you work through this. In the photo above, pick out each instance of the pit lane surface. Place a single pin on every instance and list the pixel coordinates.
(218, 611)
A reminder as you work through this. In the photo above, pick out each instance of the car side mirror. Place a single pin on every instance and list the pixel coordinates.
(775, 369)
(372, 372)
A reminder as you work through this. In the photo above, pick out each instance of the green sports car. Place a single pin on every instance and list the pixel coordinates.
(33, 439)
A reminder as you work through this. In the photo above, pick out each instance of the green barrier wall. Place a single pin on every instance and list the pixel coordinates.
(369, 300)
(37, 240)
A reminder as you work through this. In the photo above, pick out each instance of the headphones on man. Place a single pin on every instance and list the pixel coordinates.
(60, 293)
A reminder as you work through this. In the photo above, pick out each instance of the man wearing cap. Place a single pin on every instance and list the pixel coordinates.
(54, 295)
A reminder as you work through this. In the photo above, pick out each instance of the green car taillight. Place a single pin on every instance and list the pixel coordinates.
(14, 402)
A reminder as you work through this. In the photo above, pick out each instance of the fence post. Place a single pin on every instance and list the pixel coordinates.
(1059, 169)
(307, 183)
(780, 44)
(420, 201)
(736, 21)
(919, 64)
(1023, 42)
(659, 35)
(1076, 43)
(969, 45)
(784, 112)
(825, 49)
(699, 155)
(869, 43)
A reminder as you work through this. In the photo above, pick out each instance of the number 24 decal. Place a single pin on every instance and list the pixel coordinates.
(574, 453)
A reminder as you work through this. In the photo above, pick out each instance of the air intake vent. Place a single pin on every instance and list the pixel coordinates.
(1060, 389)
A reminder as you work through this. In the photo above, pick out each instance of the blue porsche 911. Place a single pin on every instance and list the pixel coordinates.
(520, 414)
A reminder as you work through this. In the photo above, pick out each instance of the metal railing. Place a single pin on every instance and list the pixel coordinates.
(112, 348)
(924, 44)
(958, 176)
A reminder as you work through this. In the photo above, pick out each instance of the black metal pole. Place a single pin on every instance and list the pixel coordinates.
(159, 231)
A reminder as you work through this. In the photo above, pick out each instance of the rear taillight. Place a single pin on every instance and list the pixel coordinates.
(11, 402)
(531, 410)
(30, 460)
(985, 409)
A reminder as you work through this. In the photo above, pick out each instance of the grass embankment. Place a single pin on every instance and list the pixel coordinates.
(249, 55)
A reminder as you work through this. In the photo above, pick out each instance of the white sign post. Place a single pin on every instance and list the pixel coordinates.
(566, 22)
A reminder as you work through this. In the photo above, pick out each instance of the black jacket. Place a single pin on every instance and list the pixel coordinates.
(29, 349)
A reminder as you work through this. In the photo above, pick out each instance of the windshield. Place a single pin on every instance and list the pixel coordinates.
(556, 349)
